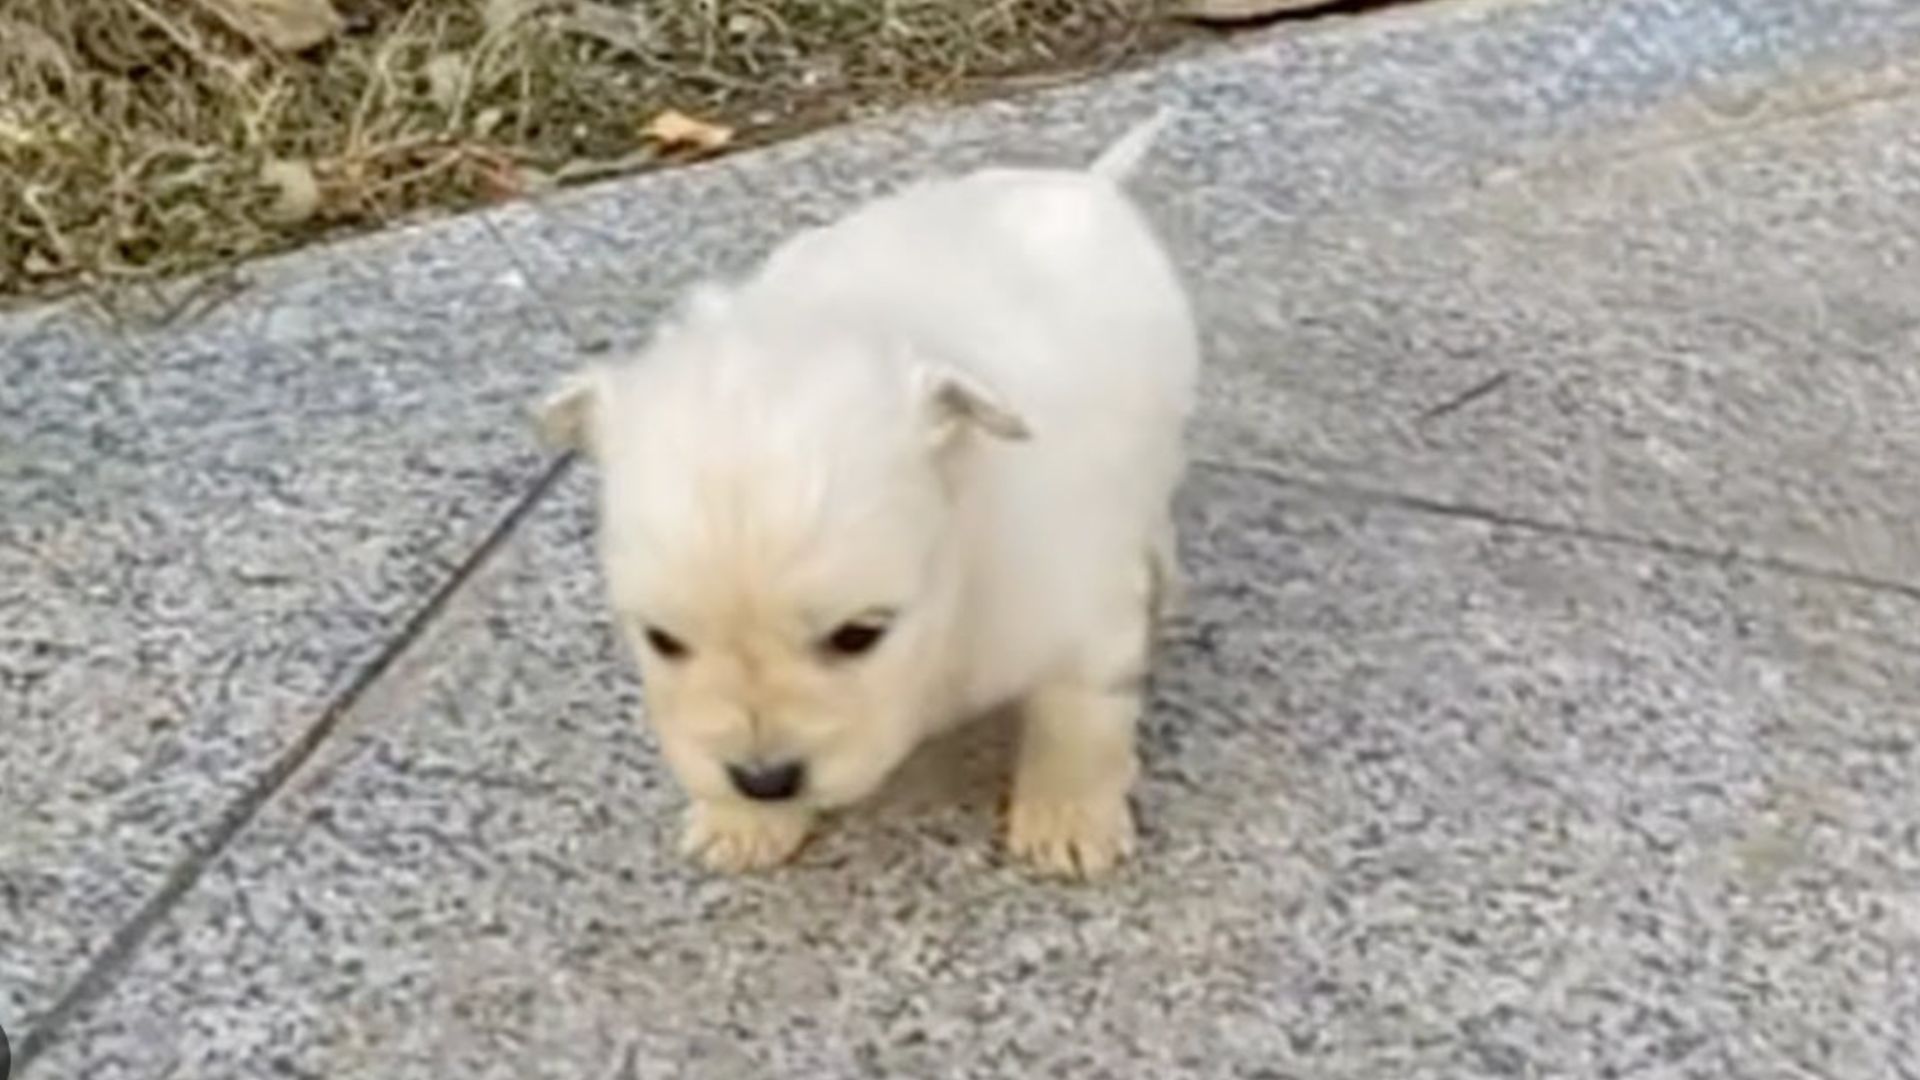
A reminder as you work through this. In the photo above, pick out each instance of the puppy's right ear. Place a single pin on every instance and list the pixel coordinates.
(565, 417)
(955, 402)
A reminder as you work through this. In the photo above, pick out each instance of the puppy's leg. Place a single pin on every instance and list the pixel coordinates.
(1069, 813)
(736, 836)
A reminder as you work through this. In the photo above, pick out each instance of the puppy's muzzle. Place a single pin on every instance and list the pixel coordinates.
(768, 783)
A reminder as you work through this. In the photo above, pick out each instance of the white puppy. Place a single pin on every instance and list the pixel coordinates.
(917, 467)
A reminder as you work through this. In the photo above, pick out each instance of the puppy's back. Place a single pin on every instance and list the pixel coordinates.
(1042, 282)
(1050, 287)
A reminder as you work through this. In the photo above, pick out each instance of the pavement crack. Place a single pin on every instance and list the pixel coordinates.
(1465, 398)
(106, 967)
(1681, 549)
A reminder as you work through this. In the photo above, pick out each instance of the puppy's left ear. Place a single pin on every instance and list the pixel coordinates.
(955, 402)
(565, 417)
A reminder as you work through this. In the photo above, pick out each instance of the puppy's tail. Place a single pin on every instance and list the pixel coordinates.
(1118, 163)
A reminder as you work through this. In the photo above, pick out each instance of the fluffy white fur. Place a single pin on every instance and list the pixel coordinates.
(955, 417)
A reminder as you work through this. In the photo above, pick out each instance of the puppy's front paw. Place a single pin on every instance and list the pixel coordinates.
(732, 838)
(1076, 838)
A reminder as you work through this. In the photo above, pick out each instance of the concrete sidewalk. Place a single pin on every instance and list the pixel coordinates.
(1547, 707)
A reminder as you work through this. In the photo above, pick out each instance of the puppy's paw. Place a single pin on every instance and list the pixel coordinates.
(1075, 838)
(733, 838)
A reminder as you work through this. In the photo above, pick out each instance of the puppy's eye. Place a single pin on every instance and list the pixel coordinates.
(854, 639)
(668, 646)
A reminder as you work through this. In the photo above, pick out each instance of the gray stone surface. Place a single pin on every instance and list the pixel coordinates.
(1424, 798)
(1717, 343)
(208, 531)
(1345, 116)
(1471, 762)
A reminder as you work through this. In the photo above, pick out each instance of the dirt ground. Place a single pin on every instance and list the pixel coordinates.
(141, 139)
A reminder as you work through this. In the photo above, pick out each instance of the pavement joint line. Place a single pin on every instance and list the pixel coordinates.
(1680, 549)
(1530, 170)
(554, 309)
(105, 968)
(1582, 160)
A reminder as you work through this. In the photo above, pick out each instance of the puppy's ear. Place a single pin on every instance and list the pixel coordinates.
(954, 402)
(565, 417)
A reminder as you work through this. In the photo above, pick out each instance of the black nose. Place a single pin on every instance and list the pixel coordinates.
(768, 783)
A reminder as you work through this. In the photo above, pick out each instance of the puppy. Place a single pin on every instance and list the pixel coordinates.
(917, 466)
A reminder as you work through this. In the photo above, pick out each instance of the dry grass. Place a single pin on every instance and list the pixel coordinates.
(141, 139)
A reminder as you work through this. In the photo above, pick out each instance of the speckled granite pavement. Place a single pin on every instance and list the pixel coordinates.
(1547, 707)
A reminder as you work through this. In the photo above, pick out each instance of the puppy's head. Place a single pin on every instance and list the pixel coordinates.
(779, 531)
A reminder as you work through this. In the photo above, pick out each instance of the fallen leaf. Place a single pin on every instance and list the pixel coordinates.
(287, 25)
(447, 80)
(675, 130)
(296, 190)
(1243, 10)
(16, 134)
(499, 179)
